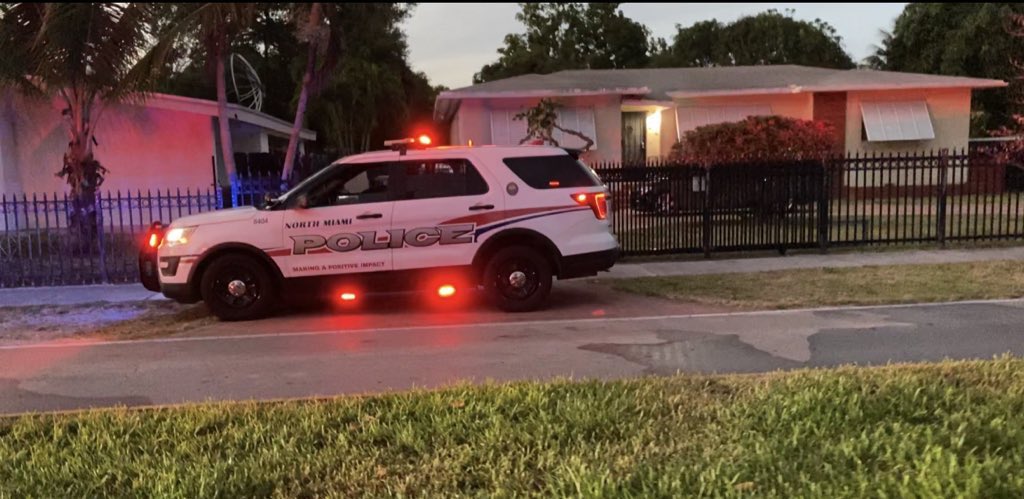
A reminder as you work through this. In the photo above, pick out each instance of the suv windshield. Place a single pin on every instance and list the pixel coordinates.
(301, 186)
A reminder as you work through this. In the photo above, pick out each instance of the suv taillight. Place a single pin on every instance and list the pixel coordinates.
(597, 202)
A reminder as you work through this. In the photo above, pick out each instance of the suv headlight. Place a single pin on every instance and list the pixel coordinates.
(178, 236)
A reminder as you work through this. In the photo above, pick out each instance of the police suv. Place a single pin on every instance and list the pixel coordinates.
(410, 218)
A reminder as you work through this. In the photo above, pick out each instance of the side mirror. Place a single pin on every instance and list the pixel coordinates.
(302, 202)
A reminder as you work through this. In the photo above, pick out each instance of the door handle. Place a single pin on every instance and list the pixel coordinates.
(481, 207)
(365, 216)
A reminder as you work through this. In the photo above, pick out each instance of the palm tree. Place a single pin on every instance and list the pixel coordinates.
(323, 38)
(880, 57)
(91, 55)
(215, 25)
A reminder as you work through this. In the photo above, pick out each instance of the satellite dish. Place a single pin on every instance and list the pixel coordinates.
(248, 87)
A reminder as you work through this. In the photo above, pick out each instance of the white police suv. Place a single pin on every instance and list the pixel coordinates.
(507, 219)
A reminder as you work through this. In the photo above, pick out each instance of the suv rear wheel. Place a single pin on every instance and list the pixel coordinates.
(518, 279)
(237, 288)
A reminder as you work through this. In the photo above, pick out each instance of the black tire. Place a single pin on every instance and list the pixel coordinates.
(513, 296)
(258, 295)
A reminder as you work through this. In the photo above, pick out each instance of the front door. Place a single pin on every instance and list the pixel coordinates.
(634, 138)
(344, 227)
(439, 204)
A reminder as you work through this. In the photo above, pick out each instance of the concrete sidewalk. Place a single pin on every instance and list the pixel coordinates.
(69, 295)
(811, 261)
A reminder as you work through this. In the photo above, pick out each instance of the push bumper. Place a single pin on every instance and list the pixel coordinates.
(588, 264)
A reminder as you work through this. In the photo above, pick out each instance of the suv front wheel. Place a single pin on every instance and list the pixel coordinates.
(518, 279)
(237, 287)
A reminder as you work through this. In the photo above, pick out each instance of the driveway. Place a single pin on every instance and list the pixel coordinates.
(396, 346)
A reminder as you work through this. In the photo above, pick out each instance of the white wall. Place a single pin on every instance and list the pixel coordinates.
(142, 147)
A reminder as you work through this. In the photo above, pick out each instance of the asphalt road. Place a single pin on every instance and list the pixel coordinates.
(584, 335)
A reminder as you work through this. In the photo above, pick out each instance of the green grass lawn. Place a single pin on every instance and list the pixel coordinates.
(839, 286)
(940, 430)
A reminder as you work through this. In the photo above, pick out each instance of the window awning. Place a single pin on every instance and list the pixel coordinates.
(891, 121)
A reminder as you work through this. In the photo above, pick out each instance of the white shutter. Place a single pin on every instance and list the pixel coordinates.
(499, 128)
(691, 117)
(580, 119)
(588, 125)
(885, 121)
(516, 129)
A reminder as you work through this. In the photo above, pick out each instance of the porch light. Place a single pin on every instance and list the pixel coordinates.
(654, 122)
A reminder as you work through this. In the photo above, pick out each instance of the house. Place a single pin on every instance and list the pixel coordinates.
(633, 114)
(167, 141)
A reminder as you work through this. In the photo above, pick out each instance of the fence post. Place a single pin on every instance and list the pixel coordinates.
(824, 206)
(227, 197)
(706, 222)
(100, 239)
(940, 219)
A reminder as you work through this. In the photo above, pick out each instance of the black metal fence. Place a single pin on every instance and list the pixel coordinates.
(858, 200)
(40, 246)
(658, 208)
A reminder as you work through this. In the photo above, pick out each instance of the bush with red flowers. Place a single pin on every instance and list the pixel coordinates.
(758, 138)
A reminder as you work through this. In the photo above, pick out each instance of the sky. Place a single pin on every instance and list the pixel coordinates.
(450, 42)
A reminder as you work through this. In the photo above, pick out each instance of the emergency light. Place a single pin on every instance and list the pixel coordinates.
(402, 145)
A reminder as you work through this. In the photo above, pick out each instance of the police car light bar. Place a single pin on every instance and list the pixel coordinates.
(402, 145)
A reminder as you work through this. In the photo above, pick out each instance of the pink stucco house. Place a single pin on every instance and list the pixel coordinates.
(167, 141)
(634, 114)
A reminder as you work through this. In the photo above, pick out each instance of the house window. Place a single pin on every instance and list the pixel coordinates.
(508, 131)
(505, 130)
(892, 121)
(691, 117)
(440, 178)
(579, 119)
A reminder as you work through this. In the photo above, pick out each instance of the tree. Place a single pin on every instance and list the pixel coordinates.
(570, 36)
(372, 94)
(315, 30)
(364, 97)
(91, 55)
(761, 137)
(879, 59)
(214, 26)
(1012, 151)
(959, 39)
(542, 121)
(770, 37)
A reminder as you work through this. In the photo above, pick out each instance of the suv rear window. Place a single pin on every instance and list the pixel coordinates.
(552, 172)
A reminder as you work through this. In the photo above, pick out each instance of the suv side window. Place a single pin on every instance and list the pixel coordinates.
(440, 178)
(353, 184)
(552, 172)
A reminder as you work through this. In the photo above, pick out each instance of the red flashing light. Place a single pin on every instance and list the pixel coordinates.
(424, 140)
(598, 202)
(154, 240)
(348, 297)
(446, 291)
(554, 183)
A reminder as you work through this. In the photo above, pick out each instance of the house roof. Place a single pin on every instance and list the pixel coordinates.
(235, 112)
(665, 83)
